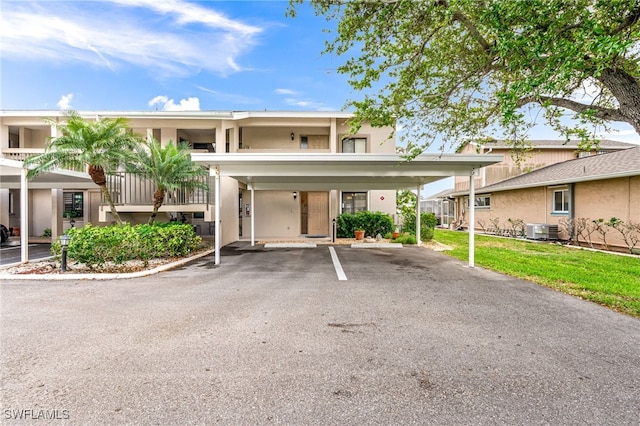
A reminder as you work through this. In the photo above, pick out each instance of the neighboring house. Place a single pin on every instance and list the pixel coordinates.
(592, 187)
(58, 200)
(541, 153)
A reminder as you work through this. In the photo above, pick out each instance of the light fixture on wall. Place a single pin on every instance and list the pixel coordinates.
(295, 195)
(293, 136)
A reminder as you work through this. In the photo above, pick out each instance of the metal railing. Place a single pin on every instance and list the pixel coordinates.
(133, 189)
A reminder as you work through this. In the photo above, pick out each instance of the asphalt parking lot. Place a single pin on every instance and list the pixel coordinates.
(273, 336)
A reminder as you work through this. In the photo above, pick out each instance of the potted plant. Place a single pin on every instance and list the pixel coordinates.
(359, 233)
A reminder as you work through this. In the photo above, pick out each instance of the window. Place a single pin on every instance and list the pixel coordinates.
(355, 145)
(483, 202)
(73, 205)
(561, 201)
(353, 202)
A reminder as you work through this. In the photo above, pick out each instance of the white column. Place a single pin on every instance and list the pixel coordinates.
(253, 216)
(472, 218)
(418, 239)
(24, 216)
(216, 232)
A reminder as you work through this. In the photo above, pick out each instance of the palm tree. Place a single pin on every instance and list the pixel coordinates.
(97, 147)
(168, 168)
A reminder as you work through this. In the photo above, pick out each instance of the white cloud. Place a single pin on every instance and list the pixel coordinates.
(168, 37)
(189, 104)
(308, 104)
(285, 92)
(65, 101)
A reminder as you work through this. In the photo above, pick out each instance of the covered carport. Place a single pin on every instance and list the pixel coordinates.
(317, 172)
(14, 176)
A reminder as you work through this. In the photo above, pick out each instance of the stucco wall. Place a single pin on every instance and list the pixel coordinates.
(605, 199)
(276, 214)
(40, 208)
(383, 201)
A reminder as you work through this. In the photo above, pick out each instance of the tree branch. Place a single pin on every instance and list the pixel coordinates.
(632, 18)
(464, 20)
(608, 114)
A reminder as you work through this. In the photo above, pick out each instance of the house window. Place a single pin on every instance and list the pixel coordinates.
(483, 202)
(73, 205)
(353, 202)
(354, 145)
(561, 201)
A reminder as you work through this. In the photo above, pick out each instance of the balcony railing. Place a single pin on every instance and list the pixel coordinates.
(20, 154)
(135, 190)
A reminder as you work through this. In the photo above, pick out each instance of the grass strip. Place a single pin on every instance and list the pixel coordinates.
(607, 279)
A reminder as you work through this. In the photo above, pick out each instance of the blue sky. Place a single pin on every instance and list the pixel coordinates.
(166, 54)
(174, 55)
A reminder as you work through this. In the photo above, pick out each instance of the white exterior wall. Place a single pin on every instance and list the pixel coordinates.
(277, 214)
(41, 212)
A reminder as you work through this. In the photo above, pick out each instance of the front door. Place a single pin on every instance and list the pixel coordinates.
(315, 212)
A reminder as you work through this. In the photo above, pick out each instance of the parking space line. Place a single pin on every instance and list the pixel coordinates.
(337, 265)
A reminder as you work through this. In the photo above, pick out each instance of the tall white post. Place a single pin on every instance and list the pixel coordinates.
(418, 219)
(217, 216)
(472, 218)
(24, 216)
(252, 212)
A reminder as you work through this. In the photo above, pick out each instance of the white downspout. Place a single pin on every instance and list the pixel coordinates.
(217, 216)
(472, 218)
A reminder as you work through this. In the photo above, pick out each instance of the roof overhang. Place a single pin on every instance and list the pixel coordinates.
(315, 171)
(11, 171)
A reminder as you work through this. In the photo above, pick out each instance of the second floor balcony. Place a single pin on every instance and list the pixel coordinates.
(129, 189)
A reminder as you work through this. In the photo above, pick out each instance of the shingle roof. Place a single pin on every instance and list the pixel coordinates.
(597, 167)
(561, 144)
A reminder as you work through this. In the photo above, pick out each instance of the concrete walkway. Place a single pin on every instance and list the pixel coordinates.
(272, 336)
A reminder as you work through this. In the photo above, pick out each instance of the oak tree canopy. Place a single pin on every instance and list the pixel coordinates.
(454, 70)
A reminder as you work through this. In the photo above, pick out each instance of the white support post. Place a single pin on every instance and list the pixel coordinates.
(418, 224)
(472, 218)
(252, 212)
(24, 216)
(217, 216)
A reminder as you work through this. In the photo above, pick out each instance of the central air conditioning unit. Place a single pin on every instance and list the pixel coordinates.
(542, 231)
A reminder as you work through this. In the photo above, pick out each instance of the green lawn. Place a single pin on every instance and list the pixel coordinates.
(607, 279)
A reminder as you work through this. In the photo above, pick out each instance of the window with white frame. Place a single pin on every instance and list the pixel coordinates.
(483, 202)
(354, 145)
(561, 201)
(353, 202)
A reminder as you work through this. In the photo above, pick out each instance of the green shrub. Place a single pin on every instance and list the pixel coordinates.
(96, 246)
(405, 238)
(373, 223)
(428, 222)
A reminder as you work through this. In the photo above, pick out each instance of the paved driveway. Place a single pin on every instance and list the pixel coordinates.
(272, 336)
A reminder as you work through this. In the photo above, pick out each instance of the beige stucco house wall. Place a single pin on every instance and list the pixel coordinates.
(600, 199)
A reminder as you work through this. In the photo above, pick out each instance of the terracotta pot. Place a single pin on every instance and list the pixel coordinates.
(359, 235)
(396, 235)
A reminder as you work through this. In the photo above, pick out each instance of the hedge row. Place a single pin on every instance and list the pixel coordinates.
(96, 246)
(372, 223)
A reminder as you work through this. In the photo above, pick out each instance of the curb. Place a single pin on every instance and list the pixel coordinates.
(376, 245)
(106, 276)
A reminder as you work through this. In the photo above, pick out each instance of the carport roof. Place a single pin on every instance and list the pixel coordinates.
(324, 171)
